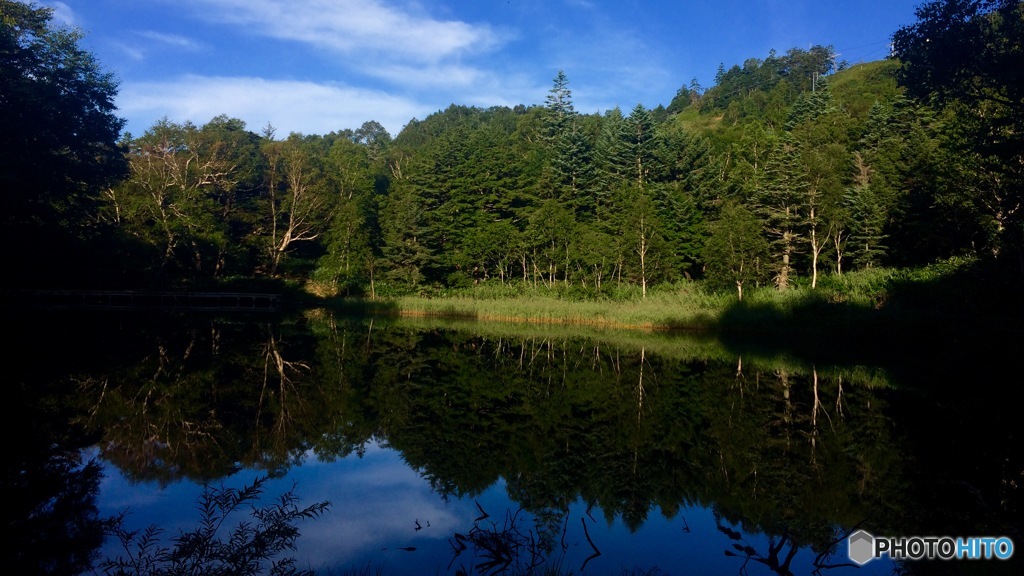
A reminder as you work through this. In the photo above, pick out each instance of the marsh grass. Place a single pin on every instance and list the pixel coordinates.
(681, 306)
(854, 309)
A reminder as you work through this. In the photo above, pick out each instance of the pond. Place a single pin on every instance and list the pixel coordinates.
(449, 447)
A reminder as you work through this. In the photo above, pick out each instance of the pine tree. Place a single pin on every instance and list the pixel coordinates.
(613, 167)
(404, 235)
(571, 151)
(867, 224)
(559, 111)
(641, 140)
(779, 204)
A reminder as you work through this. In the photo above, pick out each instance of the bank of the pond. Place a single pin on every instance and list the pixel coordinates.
(665, 312)
(944, 300)
(672, 312)
(798, 314)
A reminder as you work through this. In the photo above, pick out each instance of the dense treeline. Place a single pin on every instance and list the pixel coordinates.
(786, 169)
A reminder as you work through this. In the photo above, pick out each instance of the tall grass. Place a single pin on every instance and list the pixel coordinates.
(859, 298)
(675, 306)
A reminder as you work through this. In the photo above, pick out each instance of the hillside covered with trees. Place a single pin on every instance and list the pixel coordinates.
(791, 168)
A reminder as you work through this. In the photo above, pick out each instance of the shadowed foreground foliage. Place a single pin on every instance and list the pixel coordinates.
(218, 546)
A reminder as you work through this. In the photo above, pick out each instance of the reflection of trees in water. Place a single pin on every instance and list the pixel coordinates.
(781, 472)
(773, 447)
(508, 546)
(559, 419)
(51, 524)
(625, 431)
(781, 549)
(204, 397)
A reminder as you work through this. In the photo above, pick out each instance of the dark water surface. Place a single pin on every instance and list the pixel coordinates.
(473, 447)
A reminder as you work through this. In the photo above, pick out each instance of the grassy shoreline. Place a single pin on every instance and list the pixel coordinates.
(664, 313)
(945, 297)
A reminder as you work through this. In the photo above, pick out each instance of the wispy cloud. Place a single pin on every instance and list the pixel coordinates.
(62, 13)
(357, 493)
(355, 27)
(290, 106)
(138, 45)
(170, 40)
(131, 51)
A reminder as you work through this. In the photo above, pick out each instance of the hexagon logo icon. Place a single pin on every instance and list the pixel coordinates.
(862, 547)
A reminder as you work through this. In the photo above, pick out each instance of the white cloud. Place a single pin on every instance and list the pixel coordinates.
(425, 77)
(291, 106)
(355, 27)
(62, 13)
(140, 51)
(170, 40)
(132, 52)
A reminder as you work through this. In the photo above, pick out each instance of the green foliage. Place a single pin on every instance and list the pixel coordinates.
(58, 148)
(735, 250)
(405, 236)
(797, 68)
(219, 544)
(968, 57)
(866, 215)
(841, 169)
(183, 199)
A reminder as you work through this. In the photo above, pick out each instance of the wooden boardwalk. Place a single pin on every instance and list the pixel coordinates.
(144, 300)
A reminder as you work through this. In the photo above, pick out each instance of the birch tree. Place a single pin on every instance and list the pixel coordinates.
(297, 202)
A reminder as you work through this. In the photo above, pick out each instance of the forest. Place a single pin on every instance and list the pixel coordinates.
(791, 168)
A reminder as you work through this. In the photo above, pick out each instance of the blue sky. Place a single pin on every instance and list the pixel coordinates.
(315, 66)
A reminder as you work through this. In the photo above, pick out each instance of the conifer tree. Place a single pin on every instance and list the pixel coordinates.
(778, 203)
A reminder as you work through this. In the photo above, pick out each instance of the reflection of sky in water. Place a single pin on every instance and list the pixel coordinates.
(377, 500)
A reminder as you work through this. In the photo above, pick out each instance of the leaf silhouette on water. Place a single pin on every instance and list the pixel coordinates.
(250, 548)
(732, 534)
(746, 549)
(483, 513)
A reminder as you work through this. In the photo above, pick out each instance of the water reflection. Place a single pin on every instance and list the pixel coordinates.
(505, 448)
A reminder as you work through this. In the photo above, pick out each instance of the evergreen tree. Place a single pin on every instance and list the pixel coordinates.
(818, 132)
(779, 203)
(559, 110)
(612, 155)
(867, 223)
(681, 230)
(640, 138)
(571, 150)
(405, 254)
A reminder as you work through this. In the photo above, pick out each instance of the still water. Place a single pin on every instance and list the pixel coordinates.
(448, 448)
